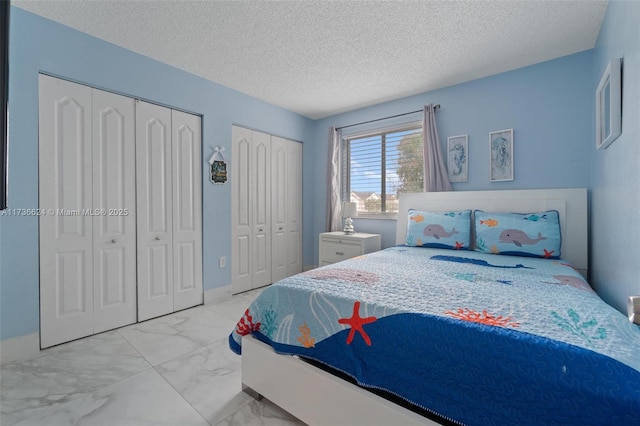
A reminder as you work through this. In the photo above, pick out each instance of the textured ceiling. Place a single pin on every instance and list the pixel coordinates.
(319, 58)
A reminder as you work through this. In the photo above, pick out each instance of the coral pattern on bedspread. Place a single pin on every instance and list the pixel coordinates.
(474, 337)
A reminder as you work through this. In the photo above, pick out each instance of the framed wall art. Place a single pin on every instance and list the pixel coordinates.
(501, 161)
(217, 167)
(609, 105)
(458, 158)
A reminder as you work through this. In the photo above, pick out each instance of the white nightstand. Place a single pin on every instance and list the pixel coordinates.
(337, 246)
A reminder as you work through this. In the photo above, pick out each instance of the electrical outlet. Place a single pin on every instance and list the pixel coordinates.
(223, 261)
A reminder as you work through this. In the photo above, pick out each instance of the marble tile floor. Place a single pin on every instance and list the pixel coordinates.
(173, 370)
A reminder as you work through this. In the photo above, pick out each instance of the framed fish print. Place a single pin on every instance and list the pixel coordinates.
(501, 160)
(609, 105)
(458, 155)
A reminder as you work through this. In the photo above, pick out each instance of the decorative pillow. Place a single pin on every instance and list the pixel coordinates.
(446, 230)
(517, 234)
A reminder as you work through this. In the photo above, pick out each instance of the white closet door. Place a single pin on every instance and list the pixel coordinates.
(65, 185)
(187, 210)
(279, 208)
(261, 180)
(154, 210)
(114, 205)
(241, 213)
(294, 207)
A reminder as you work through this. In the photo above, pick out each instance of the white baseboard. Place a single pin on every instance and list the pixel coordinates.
(21, 347)
(216, 295)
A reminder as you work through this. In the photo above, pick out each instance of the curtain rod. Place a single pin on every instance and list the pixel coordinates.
(384, 118)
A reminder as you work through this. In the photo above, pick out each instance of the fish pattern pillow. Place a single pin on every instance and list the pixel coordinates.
(446, 230)
(517, 234)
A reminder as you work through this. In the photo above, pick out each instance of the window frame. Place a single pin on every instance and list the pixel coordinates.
(346, 161)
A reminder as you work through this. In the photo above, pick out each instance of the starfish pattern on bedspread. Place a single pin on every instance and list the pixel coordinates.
(356, 323)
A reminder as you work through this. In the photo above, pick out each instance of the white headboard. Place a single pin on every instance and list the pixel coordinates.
(571, 204)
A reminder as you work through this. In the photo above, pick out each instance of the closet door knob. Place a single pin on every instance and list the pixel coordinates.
(280, 229)
(113, 241)
(157, 238)
(260, 230)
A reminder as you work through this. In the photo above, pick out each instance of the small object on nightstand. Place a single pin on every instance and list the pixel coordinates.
(633, 309)
(349, 209)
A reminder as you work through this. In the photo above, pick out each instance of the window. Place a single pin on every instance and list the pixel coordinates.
(380, 165)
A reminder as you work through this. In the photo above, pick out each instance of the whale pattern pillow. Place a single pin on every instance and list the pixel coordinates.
(445, 230)
(518, 234)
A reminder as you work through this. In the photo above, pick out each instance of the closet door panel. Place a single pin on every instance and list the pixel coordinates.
(154, 210)
(241, 208)
(187, 210)
(65, 192)
(114, 223)
(278, 209)
(261, 178)
(294, 208)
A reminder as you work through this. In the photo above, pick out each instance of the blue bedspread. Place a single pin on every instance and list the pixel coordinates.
(476, 338)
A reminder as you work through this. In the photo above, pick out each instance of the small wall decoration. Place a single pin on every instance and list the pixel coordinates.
(217, 166)
(501, 162)
(609, 105)
(458, 158)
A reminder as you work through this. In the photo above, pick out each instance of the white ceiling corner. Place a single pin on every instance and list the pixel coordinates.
(320, 58)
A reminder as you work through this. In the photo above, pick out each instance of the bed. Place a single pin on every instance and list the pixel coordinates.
(444, 335)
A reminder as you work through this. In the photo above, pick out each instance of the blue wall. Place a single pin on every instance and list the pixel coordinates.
(41, 45)
(615, 173)
(549, 106)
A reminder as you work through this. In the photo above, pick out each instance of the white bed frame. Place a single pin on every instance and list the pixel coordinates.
(320, 398)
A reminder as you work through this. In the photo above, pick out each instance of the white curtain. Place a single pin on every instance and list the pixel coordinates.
(436, 177)
(334, 218)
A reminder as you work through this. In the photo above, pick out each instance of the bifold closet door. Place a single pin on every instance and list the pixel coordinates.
(279, 205)
(154, 210)
(187, 210)
(169, 210)
(87, 236)
(261, 181)
(65, 184)
(286, 207)
(121, 191)
(114, 205)
(294, 208)
(241, 203)
(251, 209)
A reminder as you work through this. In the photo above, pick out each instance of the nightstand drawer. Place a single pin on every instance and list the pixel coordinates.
(336, 250)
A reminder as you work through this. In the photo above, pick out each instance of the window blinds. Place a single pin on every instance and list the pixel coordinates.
(378, 167)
